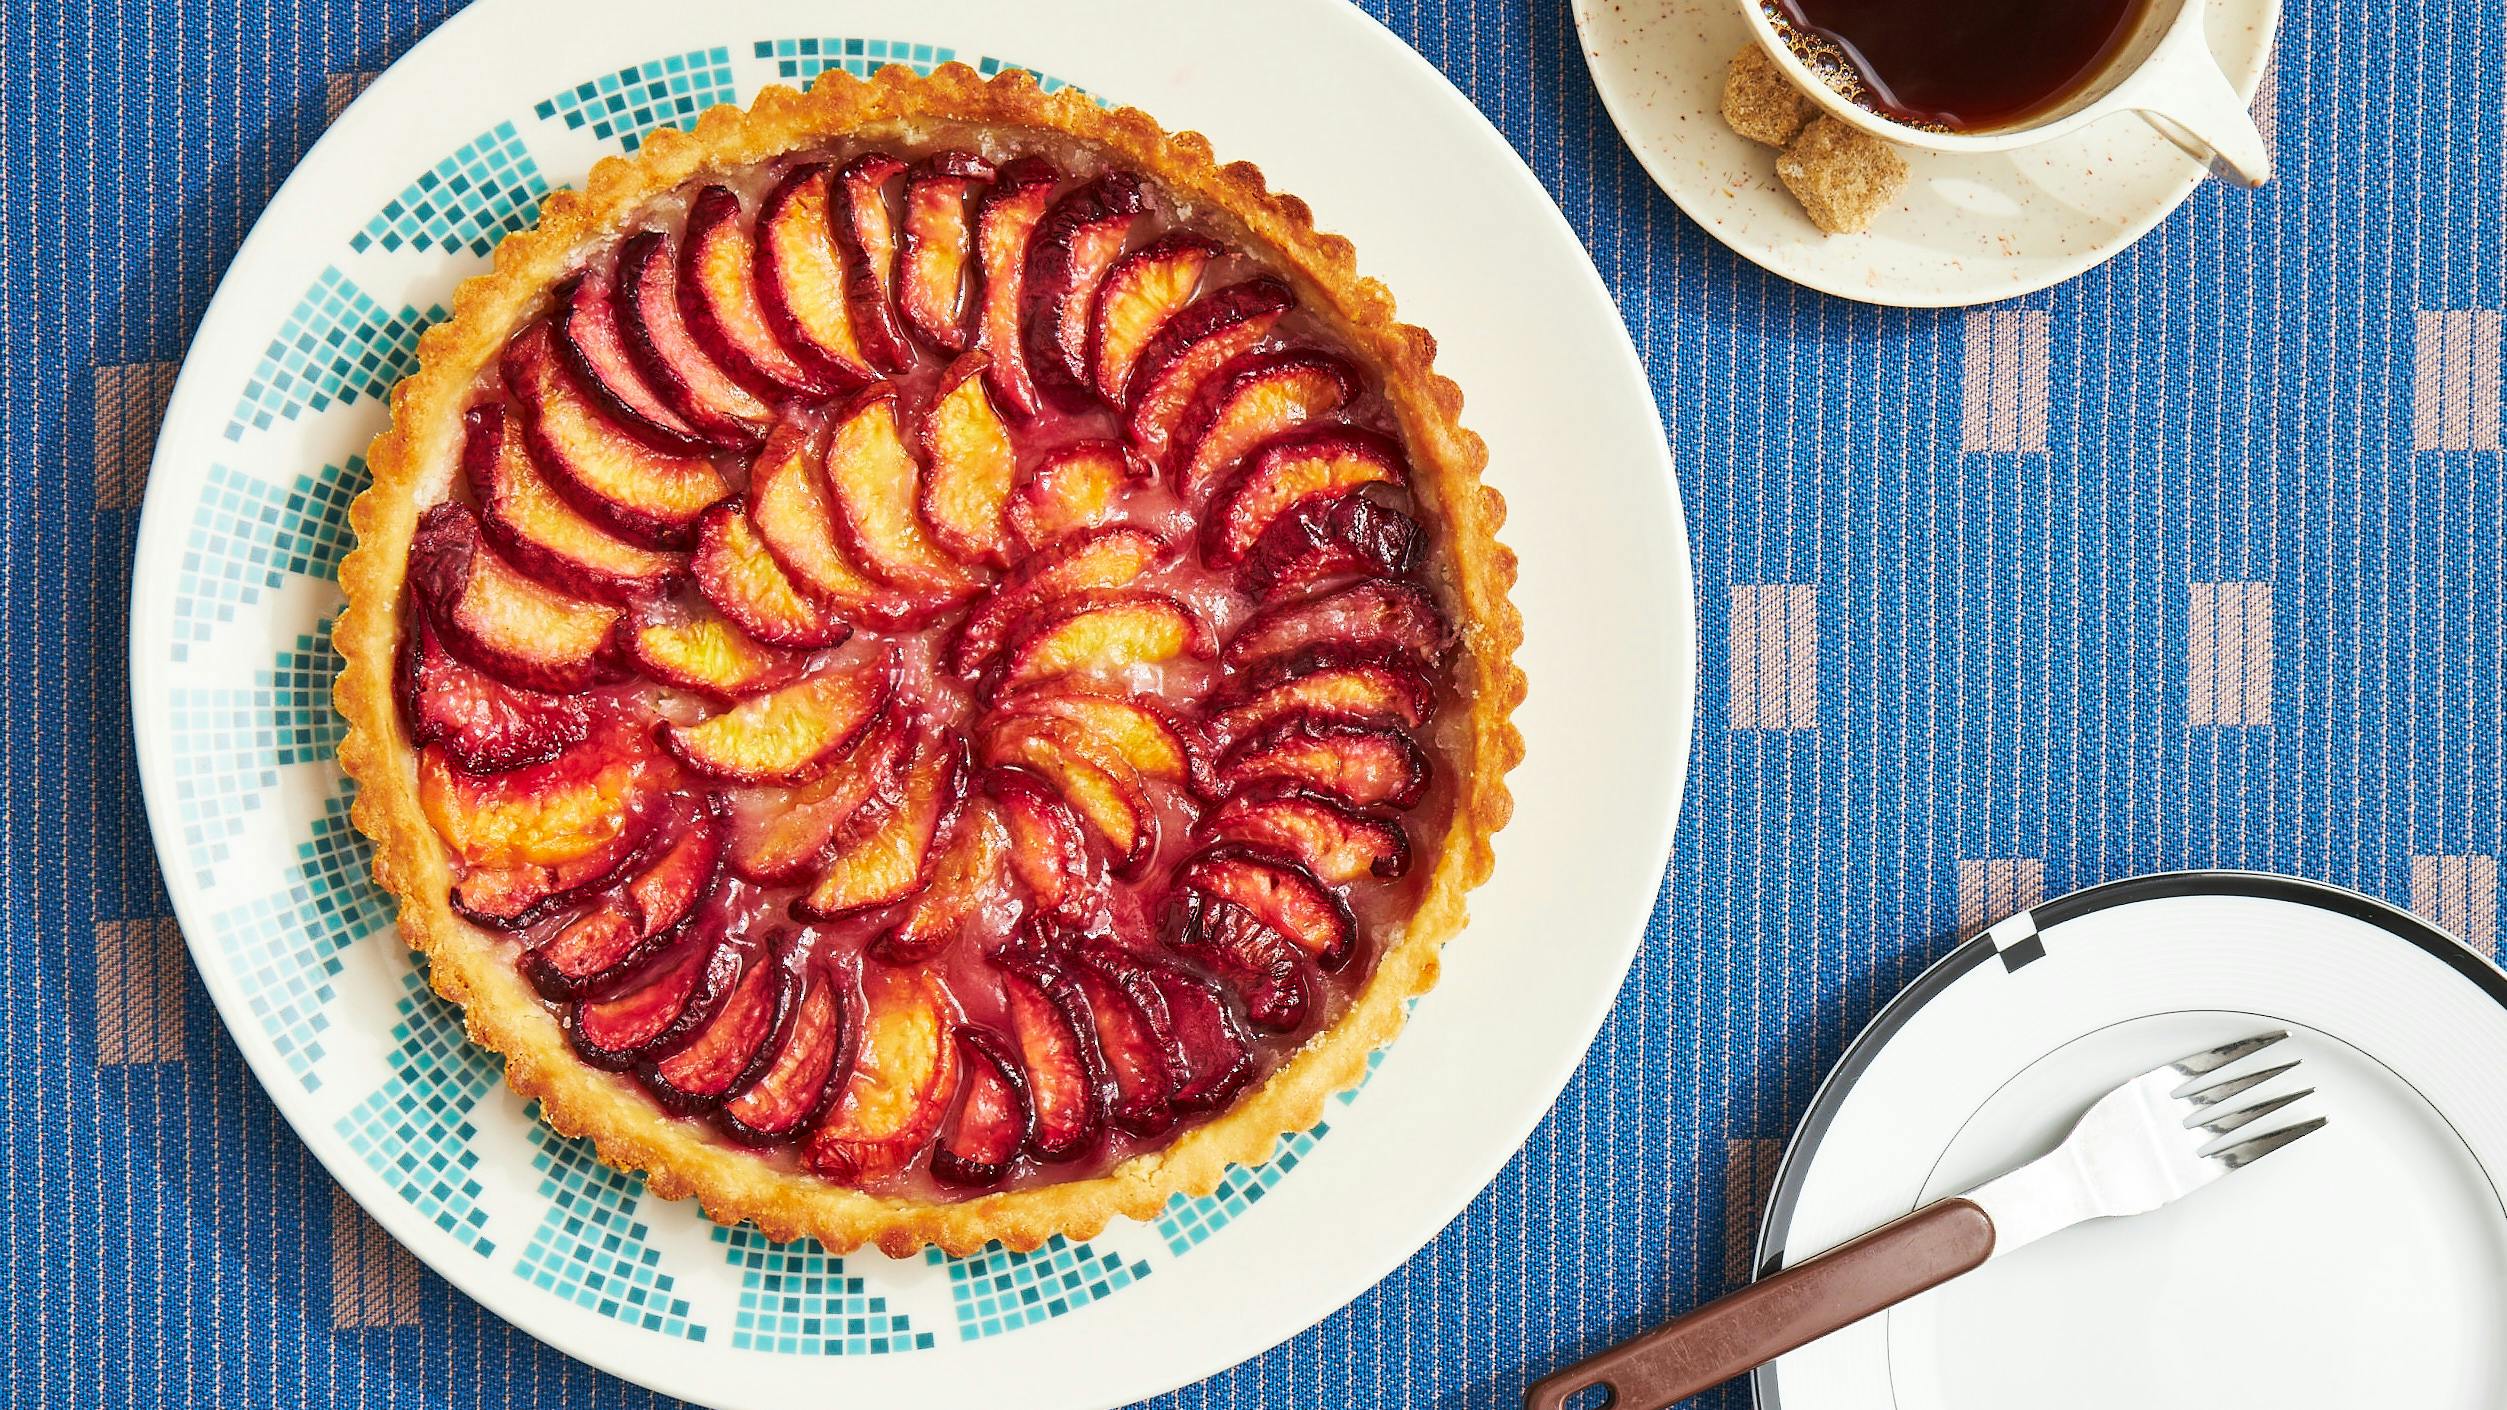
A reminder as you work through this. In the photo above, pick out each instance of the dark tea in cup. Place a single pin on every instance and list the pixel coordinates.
(1958, 65)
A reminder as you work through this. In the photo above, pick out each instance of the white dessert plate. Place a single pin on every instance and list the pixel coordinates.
(246, 519)
(1967, 229)
(2364, 1265)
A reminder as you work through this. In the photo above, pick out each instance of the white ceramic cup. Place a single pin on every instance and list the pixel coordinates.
(2165, 73)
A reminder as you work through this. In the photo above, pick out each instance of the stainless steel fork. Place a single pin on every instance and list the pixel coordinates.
(2153, 1140)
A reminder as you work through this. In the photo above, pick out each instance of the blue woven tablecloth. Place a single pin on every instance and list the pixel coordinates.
(2192, 562)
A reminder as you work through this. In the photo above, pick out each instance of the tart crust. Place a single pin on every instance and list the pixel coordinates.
(414, 461)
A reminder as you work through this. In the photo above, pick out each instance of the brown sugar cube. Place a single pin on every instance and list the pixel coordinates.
(1760, 103)
(1841, 175)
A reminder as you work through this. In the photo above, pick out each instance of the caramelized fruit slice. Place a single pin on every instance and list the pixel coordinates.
(1261, 397)
(789, 735)
(1298, 471)
(1008, 216)
(893, 859)
(1139, 728)
(789, 508)
(1208, 334)
(1373, 614)
(510, 897)
(994, 1120)
(1141, 292)
(699, 649)
(1072, 488)
(905, 1072)
(873, 481)
(867, 231)
(719, 303)
(1338, 843)
(639, 917)
(783, 835)
(616, 480)
(1057, 1038)
(1145, 1057)
(936, 254)
(1048, 852)
(667, 999)
(544, 814)
(540, 532)
(594, 350)
(514, 628)
(1270, 972)
(969, 462)
(791, 1086)
(741, 578)
(1328, 538)
(1098, 560)
(1360, 764)
(1280, 893)
(1218, 1059)
(1102, 633)
(966, 880)
(1373, 685)
(486, 725)
(693, 385)
(732, 1046)
(1089, 775)
(801, 279)
(1067, 258)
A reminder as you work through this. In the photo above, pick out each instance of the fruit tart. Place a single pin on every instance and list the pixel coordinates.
(929, 664)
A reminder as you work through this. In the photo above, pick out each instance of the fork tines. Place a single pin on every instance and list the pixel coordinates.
(2203, 1104)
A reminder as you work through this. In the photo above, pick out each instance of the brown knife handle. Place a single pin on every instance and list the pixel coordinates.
(1780, 1312)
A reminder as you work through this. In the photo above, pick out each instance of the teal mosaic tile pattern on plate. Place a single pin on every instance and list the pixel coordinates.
(229, 745)
(999, 1290)
(249, 535)
(416, 1131)
(664, 92)
(990, 66)
(803, 59)
(337, 346)
(797, 1300)
(284, 948)
(468, 201)
(590, 1248)
(1186, 1222)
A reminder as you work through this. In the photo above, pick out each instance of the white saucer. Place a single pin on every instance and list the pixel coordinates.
(1968, 230)
(2364, 1265)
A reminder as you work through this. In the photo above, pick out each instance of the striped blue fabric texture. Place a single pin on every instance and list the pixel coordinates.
(2195, 561)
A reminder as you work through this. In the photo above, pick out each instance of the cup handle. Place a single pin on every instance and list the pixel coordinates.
(2184, 96)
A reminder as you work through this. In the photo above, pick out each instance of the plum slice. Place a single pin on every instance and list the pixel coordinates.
(867, 231)
(639, 916)
(737, 574)
(486, 725)
(1138, 727)
(1329, 537)
(1297, 471)
(789, 507)
(790, 735)
(1280, 893)
(1360, 764)
(1141, 292)
(1101, 633)
(1258, 398)
(662, 1002)
(1270, 971)
(1218, 1060)
(1375, 685)
(936, 252)
(674, 365)
(1374, 613)
(791, 1086)
(801, 278)
(1145, 1057)
(732, 1045)
(969, 464)
(966, 880)
(784, 835)
(1097, 783)
(651, 497)
(699, 649)
(905, 1073)
(1099, 560)
(718, 301)
(1010, 212)
(892, 859)
(543, 535)
(594, 351)
(1072, 488)
(1336, 842)
(1048, 851)
(1188, 350)
(521, 893)
(498, 619)
(873, 481)
(1057, 1039)
(1068, 254)
(544, 814)
(994, 1120)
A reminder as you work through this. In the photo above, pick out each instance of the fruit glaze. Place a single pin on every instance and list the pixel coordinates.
(928, 658)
